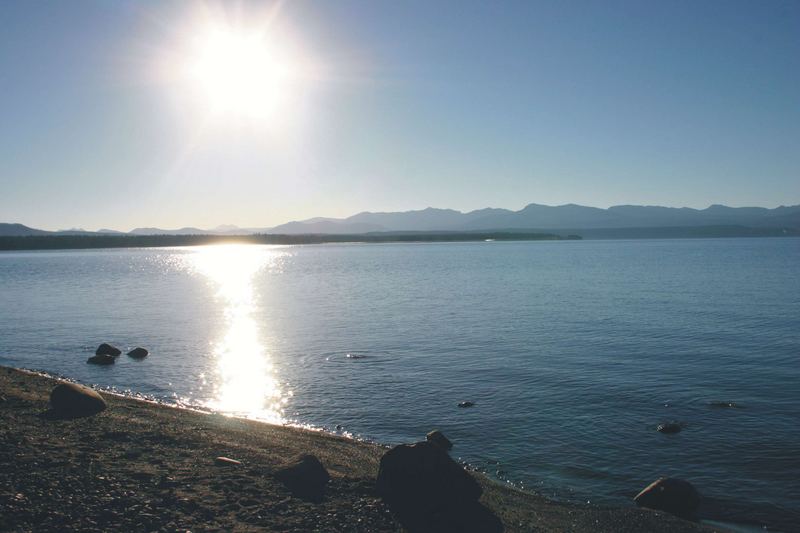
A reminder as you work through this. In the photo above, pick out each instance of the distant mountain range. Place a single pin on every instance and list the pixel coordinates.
(20, 230)
(563, 218)
(544, 217)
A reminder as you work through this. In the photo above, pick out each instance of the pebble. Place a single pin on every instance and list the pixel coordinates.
(226, 461)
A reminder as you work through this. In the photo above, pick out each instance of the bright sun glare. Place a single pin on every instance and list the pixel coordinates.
(246, 385)
(232, 61)
(238, 71)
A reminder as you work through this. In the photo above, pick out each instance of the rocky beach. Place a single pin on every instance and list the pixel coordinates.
(135, 465)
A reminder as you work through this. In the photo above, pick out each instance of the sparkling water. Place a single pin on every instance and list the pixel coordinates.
(573, 352)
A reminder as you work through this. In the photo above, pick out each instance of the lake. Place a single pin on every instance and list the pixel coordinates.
(572, 351)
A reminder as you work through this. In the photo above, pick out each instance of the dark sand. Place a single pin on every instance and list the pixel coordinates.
(139, 466)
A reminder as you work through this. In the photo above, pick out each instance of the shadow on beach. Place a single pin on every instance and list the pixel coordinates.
(474, 518)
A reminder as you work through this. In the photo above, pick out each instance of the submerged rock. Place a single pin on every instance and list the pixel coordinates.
(107, 349)
(437, 437)
(466, 404)
(138, 353)
(71, 399)
(305, 477)
(102, 359)
(725, 405)
(674, 496)
(669, 427)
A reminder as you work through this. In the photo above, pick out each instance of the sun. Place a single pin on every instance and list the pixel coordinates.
(234, 70)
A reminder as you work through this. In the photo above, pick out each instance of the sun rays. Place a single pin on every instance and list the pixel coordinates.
(225, 64)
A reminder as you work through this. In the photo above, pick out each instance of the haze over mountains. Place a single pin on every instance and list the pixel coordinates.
(535, 216)
(532, 217)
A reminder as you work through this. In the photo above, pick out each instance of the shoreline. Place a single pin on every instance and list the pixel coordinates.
(84, 242)
(142, 465)
(22, 243)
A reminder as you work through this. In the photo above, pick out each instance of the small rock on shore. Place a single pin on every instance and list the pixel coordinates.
(672, 495)
(72, 399)
(305, 477)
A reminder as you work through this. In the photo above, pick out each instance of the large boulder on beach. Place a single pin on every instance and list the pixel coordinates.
(672, 495)
(71, 399)
(421, 479)
(138, 353)
(305, 477)
(101, 359)
(107, 349)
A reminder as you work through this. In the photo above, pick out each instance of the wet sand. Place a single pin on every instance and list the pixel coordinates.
(141, 466)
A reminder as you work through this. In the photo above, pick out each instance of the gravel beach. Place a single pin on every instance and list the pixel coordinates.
(141, 466)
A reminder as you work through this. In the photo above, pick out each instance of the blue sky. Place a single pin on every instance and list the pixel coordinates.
(399, 105)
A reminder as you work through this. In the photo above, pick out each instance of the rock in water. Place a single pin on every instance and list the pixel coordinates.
(728, 405)
(674, 496)
(138, 353)
(102, 359)
(437, 437)
(71, 399)
(669, 427)
(107, 349)
(305, 477)
(421, 480)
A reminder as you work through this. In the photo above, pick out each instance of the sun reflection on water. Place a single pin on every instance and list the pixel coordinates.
(246, 384)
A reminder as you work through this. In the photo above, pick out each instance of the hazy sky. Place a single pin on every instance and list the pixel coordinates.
(107, 121)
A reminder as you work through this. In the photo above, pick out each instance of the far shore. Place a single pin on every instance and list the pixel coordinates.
(66, 242)
(142, 466)
(72, 241)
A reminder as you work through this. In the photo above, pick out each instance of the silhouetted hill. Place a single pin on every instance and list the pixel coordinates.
(19, 230)
(324, 226)
(562, 219)
(159, 231)
(421, 220)
(545, 217)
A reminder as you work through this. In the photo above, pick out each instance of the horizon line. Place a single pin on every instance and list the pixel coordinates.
(429, 207)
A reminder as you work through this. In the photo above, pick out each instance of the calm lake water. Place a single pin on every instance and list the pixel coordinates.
(573, 352)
